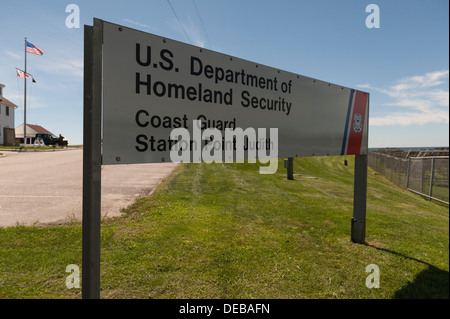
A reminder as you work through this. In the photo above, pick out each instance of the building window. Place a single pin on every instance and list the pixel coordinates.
(7, 111)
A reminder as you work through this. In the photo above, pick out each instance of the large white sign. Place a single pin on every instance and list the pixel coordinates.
(152, 85)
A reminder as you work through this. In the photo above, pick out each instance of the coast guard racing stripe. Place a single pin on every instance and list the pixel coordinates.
(354, 127)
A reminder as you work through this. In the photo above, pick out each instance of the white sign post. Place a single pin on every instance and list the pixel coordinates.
(152, 85)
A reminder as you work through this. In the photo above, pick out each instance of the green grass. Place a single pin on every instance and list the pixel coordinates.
(225, 231)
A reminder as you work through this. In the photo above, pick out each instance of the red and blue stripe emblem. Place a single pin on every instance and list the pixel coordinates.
(355, 123)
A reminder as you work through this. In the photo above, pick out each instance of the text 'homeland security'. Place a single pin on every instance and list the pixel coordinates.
(215, 84)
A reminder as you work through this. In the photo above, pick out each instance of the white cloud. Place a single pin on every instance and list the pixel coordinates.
(190, 29)
(139, 24)
(195, 34)
(410, 118)
(70, 69)
(423, 101)
(13, 55)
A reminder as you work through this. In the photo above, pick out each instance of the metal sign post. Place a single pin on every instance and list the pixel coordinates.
(290, 168)
(92, 161)
(358, 230)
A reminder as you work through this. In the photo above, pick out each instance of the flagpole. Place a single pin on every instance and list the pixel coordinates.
(25, 99)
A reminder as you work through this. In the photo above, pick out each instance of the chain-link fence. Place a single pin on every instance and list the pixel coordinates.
(428, 176)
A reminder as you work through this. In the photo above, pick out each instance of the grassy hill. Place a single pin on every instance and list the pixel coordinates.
(225, 231)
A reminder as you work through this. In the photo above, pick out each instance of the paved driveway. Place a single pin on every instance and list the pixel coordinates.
(46, 187)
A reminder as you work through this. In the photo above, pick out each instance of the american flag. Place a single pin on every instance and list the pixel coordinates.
(22, 74)
(34, 49)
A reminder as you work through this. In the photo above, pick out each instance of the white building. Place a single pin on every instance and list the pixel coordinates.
(7, 109)
(32, 130)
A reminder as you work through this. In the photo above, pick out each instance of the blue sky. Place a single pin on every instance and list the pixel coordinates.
(404, 64)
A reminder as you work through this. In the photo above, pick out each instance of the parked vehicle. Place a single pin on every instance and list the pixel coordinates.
(50, 139)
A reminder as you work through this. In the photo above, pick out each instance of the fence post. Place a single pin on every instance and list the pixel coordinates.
(408, 172)
(422, 173)
(431, 178)
(392, 169)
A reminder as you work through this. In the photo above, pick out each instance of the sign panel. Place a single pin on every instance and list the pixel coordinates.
(152, 85)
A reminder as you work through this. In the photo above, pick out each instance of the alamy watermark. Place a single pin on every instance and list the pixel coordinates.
(73, 19)
(373, 19)
(373, 280)
(73, 280)
(209, 145)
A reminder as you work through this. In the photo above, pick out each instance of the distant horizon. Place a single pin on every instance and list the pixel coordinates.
(410, 147)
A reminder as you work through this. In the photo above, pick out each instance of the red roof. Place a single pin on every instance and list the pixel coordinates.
(39, 129)
(4, 100)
